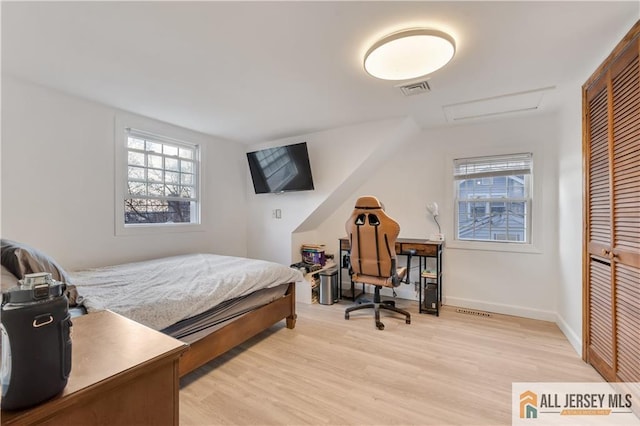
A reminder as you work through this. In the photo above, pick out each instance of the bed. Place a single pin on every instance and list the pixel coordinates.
(209, 301)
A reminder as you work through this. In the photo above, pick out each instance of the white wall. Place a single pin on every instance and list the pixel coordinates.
(416, 173)
(58, 194)
(569, 305)
(570, 194)
(341, 159)
(58, 184)
(512, 283)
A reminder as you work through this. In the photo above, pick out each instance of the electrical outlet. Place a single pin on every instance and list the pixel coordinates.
(276, 214)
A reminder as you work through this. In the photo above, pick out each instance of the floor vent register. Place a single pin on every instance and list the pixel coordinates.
(472, 312)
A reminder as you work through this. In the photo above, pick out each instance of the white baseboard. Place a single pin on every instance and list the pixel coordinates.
(406, 292)
(574, 339)
(498, 308)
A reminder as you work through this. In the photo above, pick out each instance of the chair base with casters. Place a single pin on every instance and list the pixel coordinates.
(377, 305)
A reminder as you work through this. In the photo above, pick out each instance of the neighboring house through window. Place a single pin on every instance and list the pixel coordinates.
(493, 198)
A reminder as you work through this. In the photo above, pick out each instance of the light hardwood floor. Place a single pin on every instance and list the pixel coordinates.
(455, 369)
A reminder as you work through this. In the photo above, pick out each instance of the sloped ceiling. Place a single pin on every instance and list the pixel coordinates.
(259, 71)
(364, 162)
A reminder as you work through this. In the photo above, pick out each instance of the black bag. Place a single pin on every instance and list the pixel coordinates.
(36, 344)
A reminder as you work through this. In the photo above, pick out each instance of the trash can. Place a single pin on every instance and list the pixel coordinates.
(328, 286)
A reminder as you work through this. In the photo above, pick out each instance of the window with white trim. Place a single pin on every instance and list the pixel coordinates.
(162, 180)
(493, 198)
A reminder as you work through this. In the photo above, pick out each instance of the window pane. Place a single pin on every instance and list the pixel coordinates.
(172, 177)
(186, 166)
(170, 150)
(164, 170)
(154, 147)
(498, 209)
(466, 220)
(493, 207)
(467, 188)
(172, 190)
(156, 190)
(135, 143)
(498, 187)
(136, 158)
(155, 161)
(185, 153)
(186, 192)
(136, 173)
(515, 188)
(171, 164)
(187, 179)
(156, 211)
(137, 188)
(155, 175)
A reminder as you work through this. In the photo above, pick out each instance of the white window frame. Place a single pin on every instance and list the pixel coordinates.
(163, 132)
(534, 209)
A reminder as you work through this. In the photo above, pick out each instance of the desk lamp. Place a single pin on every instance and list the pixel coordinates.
(433, 209)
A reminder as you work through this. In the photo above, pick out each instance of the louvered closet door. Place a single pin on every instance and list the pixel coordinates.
(599, 309)
(612, 214)
(625, 253)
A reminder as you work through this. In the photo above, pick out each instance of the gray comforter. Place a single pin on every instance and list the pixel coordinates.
(161, 292)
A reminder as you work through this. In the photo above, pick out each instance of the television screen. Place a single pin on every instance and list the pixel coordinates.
(281, 169)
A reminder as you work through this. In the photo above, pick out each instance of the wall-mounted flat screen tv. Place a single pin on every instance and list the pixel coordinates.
(281, 169)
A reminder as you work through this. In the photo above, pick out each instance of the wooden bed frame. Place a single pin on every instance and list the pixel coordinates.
(240, 330)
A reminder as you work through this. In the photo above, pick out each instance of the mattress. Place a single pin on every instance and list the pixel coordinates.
(193, 329)
(162, 292)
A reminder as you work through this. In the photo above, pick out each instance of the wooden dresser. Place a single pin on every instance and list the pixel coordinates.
(122, 373)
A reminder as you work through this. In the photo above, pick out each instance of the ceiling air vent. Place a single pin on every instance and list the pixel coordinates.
(529, 100)
(414, 88)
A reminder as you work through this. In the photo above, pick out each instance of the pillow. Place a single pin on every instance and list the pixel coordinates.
(20, 259)
(8, 279)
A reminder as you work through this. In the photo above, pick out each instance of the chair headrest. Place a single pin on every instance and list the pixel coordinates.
(368, 202)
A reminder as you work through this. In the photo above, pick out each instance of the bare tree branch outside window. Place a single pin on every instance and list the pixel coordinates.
(161, 182)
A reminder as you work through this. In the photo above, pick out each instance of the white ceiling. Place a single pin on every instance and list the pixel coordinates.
(258, 71)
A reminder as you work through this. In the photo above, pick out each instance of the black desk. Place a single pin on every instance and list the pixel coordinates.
(424, 249)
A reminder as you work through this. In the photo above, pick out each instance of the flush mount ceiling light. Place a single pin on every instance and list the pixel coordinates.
(409, 54)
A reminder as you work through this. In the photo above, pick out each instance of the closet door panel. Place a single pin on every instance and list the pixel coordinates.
(627, 323)
(599, 205)
(612, 213)
(626, 155)
(601, 345)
